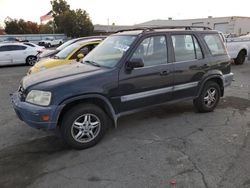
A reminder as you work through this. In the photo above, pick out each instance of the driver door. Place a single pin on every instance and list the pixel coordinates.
(151, 84)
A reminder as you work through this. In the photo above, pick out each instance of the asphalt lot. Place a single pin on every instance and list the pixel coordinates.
(148, 149)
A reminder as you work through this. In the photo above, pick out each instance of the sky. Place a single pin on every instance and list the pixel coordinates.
(128, 12)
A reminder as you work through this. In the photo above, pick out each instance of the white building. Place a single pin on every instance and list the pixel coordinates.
(234, 25)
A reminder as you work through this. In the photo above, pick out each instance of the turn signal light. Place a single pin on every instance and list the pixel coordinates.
(45, 118)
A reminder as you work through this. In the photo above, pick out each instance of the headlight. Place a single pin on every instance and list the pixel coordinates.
(42, 98)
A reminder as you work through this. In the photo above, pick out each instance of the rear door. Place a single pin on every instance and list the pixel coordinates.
(5, 55)
(151, 84)
(190, 64)
(19, 54)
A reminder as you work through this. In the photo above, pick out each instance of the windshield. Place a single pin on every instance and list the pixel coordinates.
(64, 45)
(66, 51)
(110, 51)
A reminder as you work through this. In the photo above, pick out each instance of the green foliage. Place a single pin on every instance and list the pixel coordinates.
(46, 28)
(74, 23)
(21, 27)
(59, 7)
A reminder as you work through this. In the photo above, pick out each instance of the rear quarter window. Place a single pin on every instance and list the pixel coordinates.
(215, 44)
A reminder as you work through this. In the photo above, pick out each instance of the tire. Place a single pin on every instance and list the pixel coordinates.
(208, 102)
(240, 59)
(31, 60)
(76, 129)
(60, 43)
(49, 45)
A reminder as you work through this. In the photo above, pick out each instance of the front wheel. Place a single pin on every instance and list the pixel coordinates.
(83, 126)
(209, 97)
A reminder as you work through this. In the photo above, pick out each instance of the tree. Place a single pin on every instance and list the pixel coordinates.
(59, 7)
(46, 28)
(12, 27)
(21, 27)
(74, 23)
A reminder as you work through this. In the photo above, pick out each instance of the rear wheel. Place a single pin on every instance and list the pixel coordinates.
(209, 97)
(240, 58)
(83, 126)
(49, 45)
(31, 60)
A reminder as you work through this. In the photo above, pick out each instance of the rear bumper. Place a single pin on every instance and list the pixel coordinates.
(32, 114)
(227, 79)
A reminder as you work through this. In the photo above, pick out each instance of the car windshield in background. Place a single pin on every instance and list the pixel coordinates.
(64, 45)
(66, 51)
(110, 51)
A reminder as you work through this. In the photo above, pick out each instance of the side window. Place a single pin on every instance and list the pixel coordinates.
(84, 50)
(183, 47)
(152, 50)
(29, 44)
(17, 47)
(2, 49)
(199, 54)
(5, 48)
(215, 44)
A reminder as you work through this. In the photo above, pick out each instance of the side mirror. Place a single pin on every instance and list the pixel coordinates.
(79, 57)
(135, 63)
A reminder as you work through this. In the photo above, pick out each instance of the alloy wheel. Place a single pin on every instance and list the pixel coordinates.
(210, 97)
(86, 128)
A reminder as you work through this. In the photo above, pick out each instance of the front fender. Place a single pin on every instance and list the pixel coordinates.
(104, 99)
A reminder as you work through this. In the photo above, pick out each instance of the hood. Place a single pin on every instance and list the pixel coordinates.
(60, 72)
(48, 62)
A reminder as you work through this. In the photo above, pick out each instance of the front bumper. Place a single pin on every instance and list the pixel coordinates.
(32, 114)
(227, 79)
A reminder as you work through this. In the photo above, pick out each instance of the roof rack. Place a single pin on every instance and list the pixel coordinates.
(145, 29)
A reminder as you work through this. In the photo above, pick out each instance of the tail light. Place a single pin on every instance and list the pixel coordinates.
(39, 52)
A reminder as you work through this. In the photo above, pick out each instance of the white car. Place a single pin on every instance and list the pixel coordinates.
(50, 41)
(38, 48)
(17, 53)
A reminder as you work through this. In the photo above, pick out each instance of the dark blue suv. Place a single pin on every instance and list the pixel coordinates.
(127, 72)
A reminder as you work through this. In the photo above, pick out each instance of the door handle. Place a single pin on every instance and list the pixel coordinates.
(165, 73)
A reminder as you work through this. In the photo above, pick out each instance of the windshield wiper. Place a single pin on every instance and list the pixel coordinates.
(93, 63)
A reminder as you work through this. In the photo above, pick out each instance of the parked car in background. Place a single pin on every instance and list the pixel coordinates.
(238, 48)
(70, 54)
(127, 72)
(50, 41)
(17, 53)
(51, 53)
(41, 49)
(13, 39)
